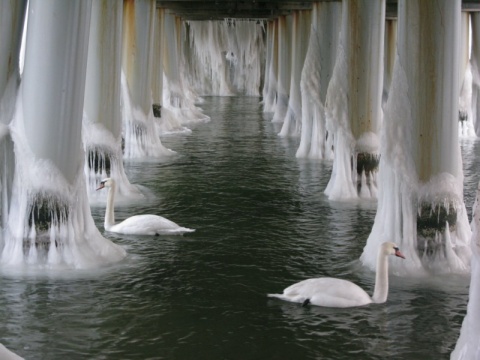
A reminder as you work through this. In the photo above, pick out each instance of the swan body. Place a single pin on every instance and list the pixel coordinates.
(332, 292)
(137, 224)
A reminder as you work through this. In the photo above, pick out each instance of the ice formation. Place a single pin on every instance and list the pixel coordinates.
(179, 100)
(226, 57)
(389, 53)
(468, 346)
(46, 219)
(465, 113)
(315, 142)
(139, 130)
(283, 67)
(269, 91)
(475, 68)
(49, 224)
(300, 33)
(420, 199)
(353, 103)
(102, 122)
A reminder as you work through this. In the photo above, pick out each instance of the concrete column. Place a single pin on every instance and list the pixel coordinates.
(12, 15)
(317, 71)
(138, 21)
(354, 100)
(54, 81)
(300, 33)
(140, 134)
(465, 125)
(467, 346)
(421, 206)
(102, 126)
(475, 63)
(284, 67)
(271, 66)
(49, 220)
(389, 56)
(171, 60)
(157, 76)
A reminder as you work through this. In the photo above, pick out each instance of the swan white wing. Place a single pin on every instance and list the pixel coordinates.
(330, 292)
(148, 225)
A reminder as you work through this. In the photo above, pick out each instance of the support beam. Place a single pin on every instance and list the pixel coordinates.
(421, 206)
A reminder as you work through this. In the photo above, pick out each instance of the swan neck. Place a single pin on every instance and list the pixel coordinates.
(381, 279)
(109, 212)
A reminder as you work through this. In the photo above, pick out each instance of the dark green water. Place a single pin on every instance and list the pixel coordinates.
(262, 223)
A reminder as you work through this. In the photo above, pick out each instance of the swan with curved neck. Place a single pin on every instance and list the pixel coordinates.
(137, 224)
(332, 292)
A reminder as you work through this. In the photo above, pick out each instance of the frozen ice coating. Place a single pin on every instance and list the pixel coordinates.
(316, 74)
(49, 224)
(179, 100)
(139, 130)
(420, 199)
(12, 14)
(102, 121)
(353, 104)
(158, 54)
(140, 135)
(465, 115)
(283, 67)
(300, 33)
(269, 91)
(468, 346)
(226, 57)
(389, 55)
(475, 68)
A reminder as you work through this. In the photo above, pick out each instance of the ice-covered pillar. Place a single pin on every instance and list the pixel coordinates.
(12, 15)
(140, 135)
(465, 125)
(56, 54)
(102, 123)
(421, 206)
(284, 67)
(354, 100)
(49, 220)
(300, 33)
(317, 71)
(389, 56)
(171, 60)
(468, 346)
(270, 83)
(157, 75)
(475, 67)
(138, 25)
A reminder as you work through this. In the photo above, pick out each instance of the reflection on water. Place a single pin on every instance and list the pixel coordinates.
(262, 223)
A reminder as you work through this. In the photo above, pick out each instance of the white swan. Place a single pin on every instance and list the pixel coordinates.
(138, 224)
(331, 292)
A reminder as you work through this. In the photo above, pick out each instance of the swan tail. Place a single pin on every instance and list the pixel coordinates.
(279, 296)
(296, 299)
(177, 231)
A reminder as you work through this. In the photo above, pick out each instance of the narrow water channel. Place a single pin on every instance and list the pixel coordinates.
(262, 222)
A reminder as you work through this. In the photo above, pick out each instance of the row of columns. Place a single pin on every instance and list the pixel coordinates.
(382, 101)
(93, 71)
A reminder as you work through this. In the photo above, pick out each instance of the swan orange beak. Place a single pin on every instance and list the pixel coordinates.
(399, 254)
(102, 185)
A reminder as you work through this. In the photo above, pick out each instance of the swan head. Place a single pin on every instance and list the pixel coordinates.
(106, 183)
(390, 248)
